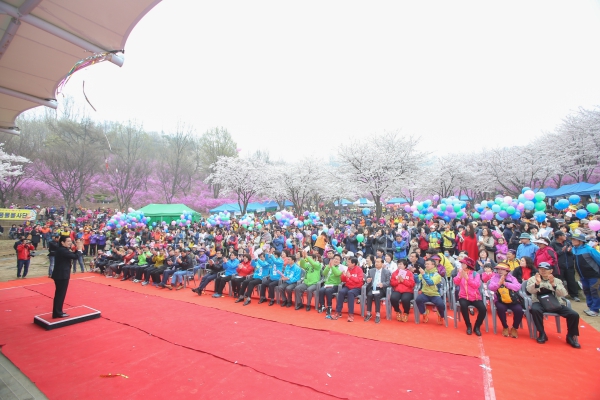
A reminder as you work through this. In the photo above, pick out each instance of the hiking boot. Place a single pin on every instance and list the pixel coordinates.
(513, 333)
(368, 317)
(505, 332)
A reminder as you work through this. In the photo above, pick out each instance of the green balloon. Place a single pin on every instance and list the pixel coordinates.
(510, 210)
(360, 238)
(540, 206)
(421, 217)
(456, 208)
(475, 215)
(420, 207)
(339, 249)
(443, 207)
(503, 206)
(540, 196)
(498, 200)
(460, 214)
(592, 208)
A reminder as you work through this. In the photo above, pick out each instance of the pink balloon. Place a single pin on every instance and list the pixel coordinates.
(594, 225)
(529, 194)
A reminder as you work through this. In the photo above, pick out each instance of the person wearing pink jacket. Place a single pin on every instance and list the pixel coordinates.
(468, 281)
(501, 284)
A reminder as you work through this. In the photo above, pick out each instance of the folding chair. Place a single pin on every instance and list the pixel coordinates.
(546, 314)
(186, 277)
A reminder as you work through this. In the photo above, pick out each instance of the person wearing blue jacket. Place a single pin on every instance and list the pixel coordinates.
(230, 268)
(276, 262)
(399, 246)
(587, 264)
(526, 248)
(289, 280)
(278, 242)
(261, 271)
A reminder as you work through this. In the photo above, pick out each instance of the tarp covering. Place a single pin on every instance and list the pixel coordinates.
(168, 212)
(567, 190)
(344, 202)
(41, 41)
(364, 202)
(398, 200)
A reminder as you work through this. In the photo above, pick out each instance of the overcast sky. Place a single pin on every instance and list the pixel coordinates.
(296, 78)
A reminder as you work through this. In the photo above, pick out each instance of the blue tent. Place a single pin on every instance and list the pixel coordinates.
(464, 197)
(547, 191)
(567, 190)
(231, 207)
(398, 200)
(344, 202)
(592, 190)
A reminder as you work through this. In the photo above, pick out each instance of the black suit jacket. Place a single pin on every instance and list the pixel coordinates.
(62, 263)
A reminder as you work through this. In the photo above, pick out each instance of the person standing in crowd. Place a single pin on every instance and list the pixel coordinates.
(24, 249)
(587, 263)
(469, 243)
(62, 273)
(526, 248)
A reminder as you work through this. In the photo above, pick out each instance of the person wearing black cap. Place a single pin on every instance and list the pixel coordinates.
(543, 285)
(564, 252)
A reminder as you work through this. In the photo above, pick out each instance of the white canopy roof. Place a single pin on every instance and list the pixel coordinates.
(41, 40)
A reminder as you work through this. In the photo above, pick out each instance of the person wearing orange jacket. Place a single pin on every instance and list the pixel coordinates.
(24, 250)
(353, 281)
(403, 284)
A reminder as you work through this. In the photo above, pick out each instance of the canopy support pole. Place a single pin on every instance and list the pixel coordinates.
(24, 96)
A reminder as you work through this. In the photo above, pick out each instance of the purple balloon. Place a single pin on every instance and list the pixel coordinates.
(407, 209)
(503, 214)
(489, 214)
(452, 214)
(520, 206)
(436, 197)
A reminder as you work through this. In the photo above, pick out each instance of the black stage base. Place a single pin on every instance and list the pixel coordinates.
(76, 315)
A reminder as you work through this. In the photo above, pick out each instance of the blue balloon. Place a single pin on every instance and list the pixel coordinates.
(516, 215)
(416, 214)
(499, 217)
(561, 204)
(574, 199)
(529, 205)
(484, 204)
(314, 237)
(366, 211)
(581, 213)
(447, 218)
(539, 216)
(334, 242)
(496, 208)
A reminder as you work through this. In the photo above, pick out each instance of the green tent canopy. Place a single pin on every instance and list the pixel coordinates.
(168, 212)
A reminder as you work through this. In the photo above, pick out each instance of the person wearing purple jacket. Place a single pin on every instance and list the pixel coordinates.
(93, 243)
(101, 241)
(501, 283)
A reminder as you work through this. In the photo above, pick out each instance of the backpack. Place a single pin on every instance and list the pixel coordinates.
(507, 296)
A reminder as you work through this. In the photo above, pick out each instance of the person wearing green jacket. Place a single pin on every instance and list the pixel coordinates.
(312, 266)
(332, 275)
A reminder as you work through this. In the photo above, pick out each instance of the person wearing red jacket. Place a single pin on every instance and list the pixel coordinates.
(24, 250)
(403, 284)
(545, 253)
(243, 271)
(353, 281)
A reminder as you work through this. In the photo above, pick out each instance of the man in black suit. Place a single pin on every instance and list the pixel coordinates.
(62, 272)
(378, 281)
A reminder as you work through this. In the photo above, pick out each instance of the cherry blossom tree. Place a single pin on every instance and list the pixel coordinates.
(383, 163)
(243, 177)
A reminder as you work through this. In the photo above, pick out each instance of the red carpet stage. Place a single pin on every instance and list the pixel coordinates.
(175, 343)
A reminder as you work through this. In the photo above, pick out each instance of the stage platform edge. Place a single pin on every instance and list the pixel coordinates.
(76, 315)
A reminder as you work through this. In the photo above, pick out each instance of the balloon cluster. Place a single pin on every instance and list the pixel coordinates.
(247, 221)
(185, 219)
(310, 218)
(222, 219)
(132, 219)
(447, 209)
(574, 200)
(286, 218)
